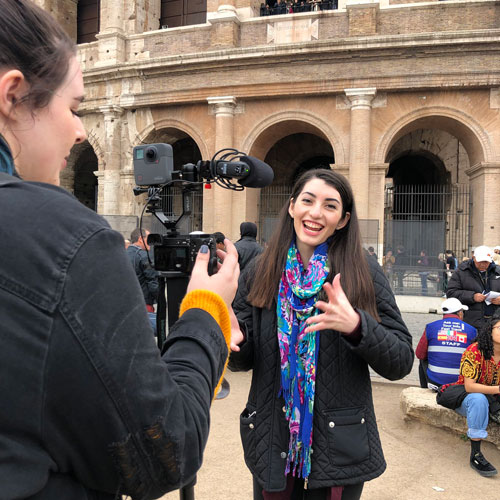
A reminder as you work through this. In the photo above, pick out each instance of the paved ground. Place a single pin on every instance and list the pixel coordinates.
(420, 458)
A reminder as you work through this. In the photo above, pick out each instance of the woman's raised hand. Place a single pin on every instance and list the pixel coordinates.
(337, 313)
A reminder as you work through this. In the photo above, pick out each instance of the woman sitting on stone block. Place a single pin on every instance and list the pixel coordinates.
(480, 375)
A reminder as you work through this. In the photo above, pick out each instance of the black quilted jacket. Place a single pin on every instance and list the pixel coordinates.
(346, 444)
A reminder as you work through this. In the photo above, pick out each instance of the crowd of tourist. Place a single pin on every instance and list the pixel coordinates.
(273, 7)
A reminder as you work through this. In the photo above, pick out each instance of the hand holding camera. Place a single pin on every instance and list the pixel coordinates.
(225, 281)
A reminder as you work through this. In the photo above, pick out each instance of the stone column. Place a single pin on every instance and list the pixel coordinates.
(109, 179)
(217, 203)
(68, 177)
(484, 179)
(342, 169)
(376, 200)
(361, 102)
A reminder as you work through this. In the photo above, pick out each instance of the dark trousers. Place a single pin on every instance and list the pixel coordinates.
(351, 492)
(422, 374)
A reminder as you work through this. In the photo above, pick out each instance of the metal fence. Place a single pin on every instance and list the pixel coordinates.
(430, 219)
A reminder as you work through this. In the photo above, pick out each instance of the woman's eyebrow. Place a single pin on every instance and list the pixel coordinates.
(326, 199)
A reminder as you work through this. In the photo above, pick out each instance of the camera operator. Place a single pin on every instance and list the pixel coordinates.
(138, 254)
(91, 409)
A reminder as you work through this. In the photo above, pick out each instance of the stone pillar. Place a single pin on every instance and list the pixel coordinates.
(217, 202)
(109, 180)
(484, 179)
(361, 102)
(362, 17)
(68, 177)
(376, 200)
(108, 189)
(127, 201)
(225, 32)
(342, 169)
(64, 11)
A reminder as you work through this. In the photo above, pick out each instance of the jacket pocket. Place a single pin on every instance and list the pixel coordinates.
(347, 435)
(247, 432)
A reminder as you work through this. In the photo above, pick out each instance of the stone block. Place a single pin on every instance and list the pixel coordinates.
(420, 404)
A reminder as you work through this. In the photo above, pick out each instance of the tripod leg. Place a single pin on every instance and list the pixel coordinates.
(187, 492)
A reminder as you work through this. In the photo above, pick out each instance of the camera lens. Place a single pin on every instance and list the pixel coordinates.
(151, 153)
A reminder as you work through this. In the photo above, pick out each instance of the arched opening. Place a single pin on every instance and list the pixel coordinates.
(426, 208)
(87, 20)
(185, 150)
(289, 157)
(79, 178)
(85, 184)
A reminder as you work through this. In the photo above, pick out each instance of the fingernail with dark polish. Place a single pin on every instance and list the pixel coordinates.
(204, 249)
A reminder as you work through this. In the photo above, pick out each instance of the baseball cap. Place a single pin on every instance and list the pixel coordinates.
(483, 254)
(452, 305)
(496, 248)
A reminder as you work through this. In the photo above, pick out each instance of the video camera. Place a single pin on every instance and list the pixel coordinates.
(174, 253)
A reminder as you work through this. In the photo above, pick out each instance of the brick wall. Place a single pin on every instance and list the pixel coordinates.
(438, 18)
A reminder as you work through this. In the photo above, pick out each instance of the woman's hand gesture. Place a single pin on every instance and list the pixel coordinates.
(338, 314)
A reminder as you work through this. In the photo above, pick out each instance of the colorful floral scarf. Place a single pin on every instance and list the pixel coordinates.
(297, 295)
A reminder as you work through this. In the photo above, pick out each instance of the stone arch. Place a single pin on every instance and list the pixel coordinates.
(93, 140)
(258, 142)
(174, 124)
(457, 123)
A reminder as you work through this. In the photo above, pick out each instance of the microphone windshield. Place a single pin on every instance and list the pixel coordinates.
(261, 174)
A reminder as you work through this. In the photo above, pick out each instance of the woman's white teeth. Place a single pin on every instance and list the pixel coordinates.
(312, 226)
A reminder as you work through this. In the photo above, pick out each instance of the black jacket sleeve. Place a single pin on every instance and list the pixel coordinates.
(119, 417)
(385, 346)
(243, 360)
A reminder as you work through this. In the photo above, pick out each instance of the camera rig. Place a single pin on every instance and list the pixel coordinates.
(174, 253)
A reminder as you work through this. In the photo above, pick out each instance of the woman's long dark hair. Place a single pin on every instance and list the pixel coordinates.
(345, 253)
(484, 337)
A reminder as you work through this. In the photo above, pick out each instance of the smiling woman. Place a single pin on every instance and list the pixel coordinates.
(326, 312)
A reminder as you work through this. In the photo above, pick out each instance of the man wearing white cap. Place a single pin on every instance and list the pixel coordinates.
(442, 344)
(471, 284)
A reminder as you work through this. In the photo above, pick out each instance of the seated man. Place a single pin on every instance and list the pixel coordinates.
(442, 344)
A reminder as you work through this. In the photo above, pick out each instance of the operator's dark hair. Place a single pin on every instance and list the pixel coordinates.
(345, 253)
(135, 235)
(219, 237)
(33, 42)
(484, 337)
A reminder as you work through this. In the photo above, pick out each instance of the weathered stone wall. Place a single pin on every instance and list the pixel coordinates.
(361, 78)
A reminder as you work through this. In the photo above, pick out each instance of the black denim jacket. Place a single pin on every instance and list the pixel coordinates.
(89, 407)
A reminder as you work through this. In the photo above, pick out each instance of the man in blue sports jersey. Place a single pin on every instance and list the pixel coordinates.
(442, 344)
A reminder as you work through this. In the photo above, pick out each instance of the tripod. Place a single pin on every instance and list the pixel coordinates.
(175, 287)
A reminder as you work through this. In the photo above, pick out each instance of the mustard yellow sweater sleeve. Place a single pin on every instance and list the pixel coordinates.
(216, 307)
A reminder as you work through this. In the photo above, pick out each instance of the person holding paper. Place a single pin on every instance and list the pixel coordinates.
(474, 283)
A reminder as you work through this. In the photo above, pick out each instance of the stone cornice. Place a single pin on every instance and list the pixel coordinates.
(482, 169)
(321, 55)
(435, 43)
